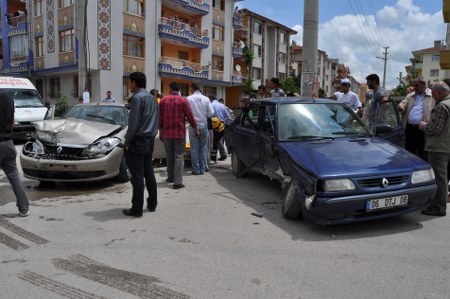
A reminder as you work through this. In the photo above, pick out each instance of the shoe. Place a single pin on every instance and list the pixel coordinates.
(178, 186)
(431, 212)
(222, 158)
(169, 181)
(151, 209)
(129, 212)
(212, 162)
(24, 213)
(195, 173)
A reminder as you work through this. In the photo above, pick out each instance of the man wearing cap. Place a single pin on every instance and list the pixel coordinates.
(349, 97)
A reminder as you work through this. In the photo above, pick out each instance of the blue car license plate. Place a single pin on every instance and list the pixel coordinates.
(386, 203)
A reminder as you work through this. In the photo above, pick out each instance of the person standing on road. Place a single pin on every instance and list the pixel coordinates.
(202, 109)
(349, 97)
(8, 153)
(172, 131)
(221, 112)
(416, 107)
(379, 96)
(139, 144)
(437, 141)
(109, 97)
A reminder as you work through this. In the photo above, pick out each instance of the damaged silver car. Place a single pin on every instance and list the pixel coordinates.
(85, 144)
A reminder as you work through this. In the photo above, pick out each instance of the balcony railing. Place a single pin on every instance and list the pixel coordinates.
(237, 77)
(196, 6)
(17, 60)
(189, 35)
(182, 68)
(238, 22)
(237, 51)
(217, 75)
(17, 20)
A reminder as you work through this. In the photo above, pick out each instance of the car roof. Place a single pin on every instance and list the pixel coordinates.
(101, 104)
(290, 100)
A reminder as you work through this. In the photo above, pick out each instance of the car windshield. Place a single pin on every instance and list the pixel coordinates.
(105, 114)
(298, 121)
(25, 98)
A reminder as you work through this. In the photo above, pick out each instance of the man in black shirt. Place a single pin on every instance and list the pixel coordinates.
(8, 153)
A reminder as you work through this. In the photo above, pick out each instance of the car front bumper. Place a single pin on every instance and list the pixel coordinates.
(72, 170)
(337, 210)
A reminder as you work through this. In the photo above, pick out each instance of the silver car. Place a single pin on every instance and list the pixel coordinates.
(85, 144)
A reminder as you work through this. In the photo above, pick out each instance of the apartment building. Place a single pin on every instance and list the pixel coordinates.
(326, 72)
(67, 47)
(269, 41)
(445, 54)
(426, 63)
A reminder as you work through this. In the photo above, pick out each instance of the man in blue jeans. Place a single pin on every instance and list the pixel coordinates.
(201, 109)
(139, 144)
(8, 153)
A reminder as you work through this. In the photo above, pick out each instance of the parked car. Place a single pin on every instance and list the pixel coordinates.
(332, 169)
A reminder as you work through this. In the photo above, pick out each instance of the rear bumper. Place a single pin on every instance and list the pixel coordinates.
(337, 210)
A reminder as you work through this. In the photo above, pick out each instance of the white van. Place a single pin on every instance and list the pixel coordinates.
(28, 104)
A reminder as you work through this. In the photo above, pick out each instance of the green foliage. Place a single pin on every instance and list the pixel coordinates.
(400, 90)
(61, 106)
(248, 88)
(291, 84)
(248, 56)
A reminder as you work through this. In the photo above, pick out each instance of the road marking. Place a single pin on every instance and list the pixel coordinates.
(133, 283)
(11, 242)
(55, 286)
(21, 232)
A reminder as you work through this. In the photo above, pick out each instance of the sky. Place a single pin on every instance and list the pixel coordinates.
(355, 31)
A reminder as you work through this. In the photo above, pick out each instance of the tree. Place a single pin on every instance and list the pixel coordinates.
(400, 90)
(291, 85)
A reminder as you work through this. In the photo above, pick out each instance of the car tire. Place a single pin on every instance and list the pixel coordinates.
(291, 207)
(236, 165)
(123, 172)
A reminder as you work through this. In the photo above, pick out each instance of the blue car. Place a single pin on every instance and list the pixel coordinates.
(332, 168)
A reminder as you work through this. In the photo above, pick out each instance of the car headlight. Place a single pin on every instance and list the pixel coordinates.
(33, 148)
(422, 176)
(101, 146)
(338, 185)
(16, 122)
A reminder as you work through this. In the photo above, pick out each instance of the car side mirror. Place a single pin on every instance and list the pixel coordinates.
(383, 129)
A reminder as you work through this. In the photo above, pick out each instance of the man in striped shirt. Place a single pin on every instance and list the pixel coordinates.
(173, 109)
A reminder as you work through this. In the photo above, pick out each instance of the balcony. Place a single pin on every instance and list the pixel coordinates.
(238, 23)
(183, 32)
(237, 51)
(195, 6)
(19, 22)
(445, 60)
(217, 75)
(18, 60)
(236, 78)
(171, 67)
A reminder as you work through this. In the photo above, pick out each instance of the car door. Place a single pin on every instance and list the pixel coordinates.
(388, 124)
(245, 135)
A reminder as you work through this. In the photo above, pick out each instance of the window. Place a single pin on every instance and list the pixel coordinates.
(37, 8)
(133, 46)
(257, 50)
(64, 3)
(282, 76)
(282, 38)
(217, 63)
(435, 58)
(183, 55)
(136, 7)
(126, 92)
(434, 73)
(39, 46)
(219, 4)
(54, 87)
(218, 33)
(66, 40)
(75, 87)
(18, 46)
(256, 73)
(282, 57)
(210, 90)
(257, 27)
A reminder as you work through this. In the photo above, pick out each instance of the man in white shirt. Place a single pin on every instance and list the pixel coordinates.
(109, 97)
(202, 109)
(349, 97)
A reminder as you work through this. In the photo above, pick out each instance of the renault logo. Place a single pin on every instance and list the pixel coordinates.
(59, 149)
(384, 182)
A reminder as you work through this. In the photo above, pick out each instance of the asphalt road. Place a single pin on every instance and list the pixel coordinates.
(203, 242)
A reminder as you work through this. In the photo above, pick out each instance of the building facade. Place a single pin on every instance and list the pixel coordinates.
(67, 47)
(426, 63)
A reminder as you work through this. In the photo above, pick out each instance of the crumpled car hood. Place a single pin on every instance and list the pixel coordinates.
(72, 131)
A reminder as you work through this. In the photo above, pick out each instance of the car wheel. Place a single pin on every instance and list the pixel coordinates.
(123, 172)
(236, 165)
(290, 208)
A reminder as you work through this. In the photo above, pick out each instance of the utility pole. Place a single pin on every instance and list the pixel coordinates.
(81, 36)
(385, 61)
(310, 44)
(400, 78)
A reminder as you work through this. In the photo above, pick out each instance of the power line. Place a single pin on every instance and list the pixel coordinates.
(365, 18)
(376, 23)
(361, 29)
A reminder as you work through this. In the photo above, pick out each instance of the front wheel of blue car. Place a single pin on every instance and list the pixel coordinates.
(291, 208)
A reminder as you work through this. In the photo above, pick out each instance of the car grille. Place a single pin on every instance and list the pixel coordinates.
(64, 153)
(64, 175)
(377, 182)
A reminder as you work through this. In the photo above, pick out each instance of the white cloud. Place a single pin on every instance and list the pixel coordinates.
(357, 40)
